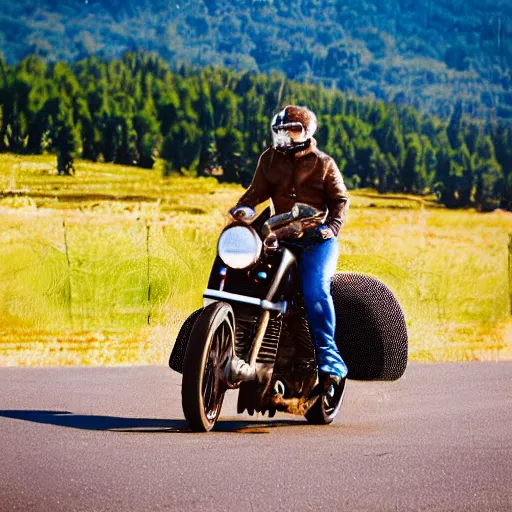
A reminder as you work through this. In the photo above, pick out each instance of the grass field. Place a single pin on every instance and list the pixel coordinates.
(102, 268)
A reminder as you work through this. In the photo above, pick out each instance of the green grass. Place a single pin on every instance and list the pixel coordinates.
(77, 256)
(33, 181)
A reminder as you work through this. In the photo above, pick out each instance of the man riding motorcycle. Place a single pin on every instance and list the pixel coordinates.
(295, 170)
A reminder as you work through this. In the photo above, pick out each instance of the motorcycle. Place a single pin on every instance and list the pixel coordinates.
(252, 332)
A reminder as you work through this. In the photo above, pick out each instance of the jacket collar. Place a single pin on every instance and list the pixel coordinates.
(310, 149)
(299, 154)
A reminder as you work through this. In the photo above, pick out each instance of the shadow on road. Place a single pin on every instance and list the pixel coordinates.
(144, 425)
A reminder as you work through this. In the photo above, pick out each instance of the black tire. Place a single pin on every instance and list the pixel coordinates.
(325, 409)
(209, 349)
(180, 345)
(371, 332)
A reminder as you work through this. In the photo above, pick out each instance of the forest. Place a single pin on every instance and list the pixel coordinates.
(425, 53)
(203, 121)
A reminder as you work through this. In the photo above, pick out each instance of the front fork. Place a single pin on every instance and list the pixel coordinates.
(243, 371)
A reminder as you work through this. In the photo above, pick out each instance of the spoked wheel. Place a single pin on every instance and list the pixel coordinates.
(325, 409)
(209, 350)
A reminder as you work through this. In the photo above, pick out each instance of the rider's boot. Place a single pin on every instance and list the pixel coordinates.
(327, 380)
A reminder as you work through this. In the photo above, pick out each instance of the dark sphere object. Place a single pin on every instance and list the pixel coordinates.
(371, 333)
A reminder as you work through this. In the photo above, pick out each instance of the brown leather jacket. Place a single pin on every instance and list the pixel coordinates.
(309, 176)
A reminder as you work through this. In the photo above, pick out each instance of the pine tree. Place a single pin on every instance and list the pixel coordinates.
(389, 137)
(208, 153)
(502, 138)
(66, 140)
(181, 147)
(147, 128)
(454, 129)
(230, 146)
(413, 173)
(430, 162)
(489, 179)
(465, 176)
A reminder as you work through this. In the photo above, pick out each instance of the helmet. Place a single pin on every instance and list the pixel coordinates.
(292, 128)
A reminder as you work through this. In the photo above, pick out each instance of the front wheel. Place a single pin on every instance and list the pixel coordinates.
(210, 348)
(325, 409)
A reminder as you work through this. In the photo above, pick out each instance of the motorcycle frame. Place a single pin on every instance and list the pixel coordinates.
(267, 304)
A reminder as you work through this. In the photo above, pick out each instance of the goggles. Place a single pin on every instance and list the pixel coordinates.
(295, 127)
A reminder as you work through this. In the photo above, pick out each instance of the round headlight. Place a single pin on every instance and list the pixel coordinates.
(239, 247)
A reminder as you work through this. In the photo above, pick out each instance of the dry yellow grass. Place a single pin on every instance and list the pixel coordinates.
(74, 267)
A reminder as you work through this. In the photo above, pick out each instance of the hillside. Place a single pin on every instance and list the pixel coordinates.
(427, 53)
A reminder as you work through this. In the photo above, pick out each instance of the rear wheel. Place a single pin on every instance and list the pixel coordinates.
(325, 409)
(209, 350)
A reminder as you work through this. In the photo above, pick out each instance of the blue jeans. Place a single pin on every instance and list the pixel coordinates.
(317, 265)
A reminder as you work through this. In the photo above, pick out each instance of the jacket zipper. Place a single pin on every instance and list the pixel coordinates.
(293, 191)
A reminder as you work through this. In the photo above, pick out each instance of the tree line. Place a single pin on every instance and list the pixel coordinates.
(134, 109)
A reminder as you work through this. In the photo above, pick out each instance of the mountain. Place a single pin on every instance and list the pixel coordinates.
(426, 53)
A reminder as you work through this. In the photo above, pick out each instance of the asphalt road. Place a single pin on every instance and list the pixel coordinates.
(98, 439)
